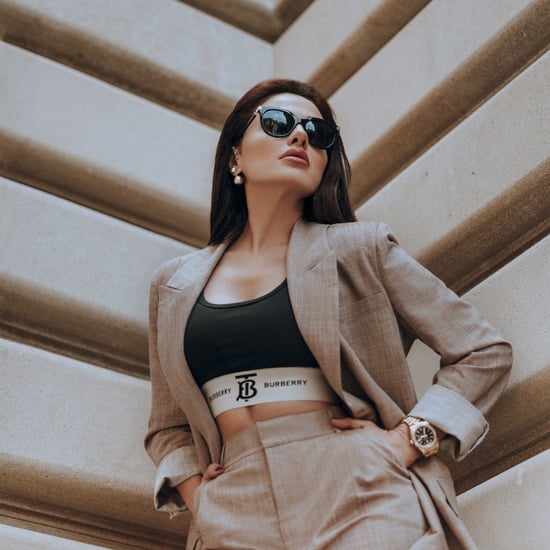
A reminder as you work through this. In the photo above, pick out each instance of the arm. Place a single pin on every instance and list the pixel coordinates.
(475, 360)
(168, 441)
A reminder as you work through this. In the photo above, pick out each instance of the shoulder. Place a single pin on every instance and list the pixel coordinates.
(351, 235)
(165, 271)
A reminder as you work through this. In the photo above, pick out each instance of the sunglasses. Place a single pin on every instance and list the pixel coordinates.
(280, 123)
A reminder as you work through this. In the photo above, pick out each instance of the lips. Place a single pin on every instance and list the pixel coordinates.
(297, 154)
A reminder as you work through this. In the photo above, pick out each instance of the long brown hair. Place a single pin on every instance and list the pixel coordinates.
(330, 202)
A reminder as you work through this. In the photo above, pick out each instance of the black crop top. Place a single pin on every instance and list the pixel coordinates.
(226, 338)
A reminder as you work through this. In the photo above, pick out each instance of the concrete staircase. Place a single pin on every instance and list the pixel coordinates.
(109, 116)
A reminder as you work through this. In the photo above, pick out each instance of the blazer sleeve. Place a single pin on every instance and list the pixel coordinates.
(169, 441)
(475, 361)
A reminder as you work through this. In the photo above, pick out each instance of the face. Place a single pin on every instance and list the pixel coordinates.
(290, 162)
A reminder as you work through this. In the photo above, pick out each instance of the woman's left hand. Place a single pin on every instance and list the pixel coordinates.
(398, 437)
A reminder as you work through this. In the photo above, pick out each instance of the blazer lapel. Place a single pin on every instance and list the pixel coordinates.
(176, 300)
(313, 288)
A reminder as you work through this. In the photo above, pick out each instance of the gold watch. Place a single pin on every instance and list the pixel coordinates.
(422, 435)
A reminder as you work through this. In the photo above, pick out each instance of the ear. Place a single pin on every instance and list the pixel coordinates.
(234, 158)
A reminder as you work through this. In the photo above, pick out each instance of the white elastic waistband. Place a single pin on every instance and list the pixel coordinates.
(242, 389)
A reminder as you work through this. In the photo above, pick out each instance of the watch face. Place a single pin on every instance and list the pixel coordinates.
(424, 436)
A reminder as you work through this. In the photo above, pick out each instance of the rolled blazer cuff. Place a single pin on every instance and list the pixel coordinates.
(177, 466)
(456, 416)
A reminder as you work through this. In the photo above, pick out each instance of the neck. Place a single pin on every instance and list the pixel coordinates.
(270, 223)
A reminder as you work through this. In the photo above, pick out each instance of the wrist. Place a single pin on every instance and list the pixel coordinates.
(187, 489)
(422, 435)
(403, 432)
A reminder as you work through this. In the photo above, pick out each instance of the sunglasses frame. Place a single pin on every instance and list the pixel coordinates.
(261, 110)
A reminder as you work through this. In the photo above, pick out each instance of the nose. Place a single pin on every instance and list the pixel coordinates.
(298, 136)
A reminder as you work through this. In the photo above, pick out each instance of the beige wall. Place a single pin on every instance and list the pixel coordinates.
(109, 115)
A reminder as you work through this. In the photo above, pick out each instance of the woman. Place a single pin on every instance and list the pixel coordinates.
(288, 419)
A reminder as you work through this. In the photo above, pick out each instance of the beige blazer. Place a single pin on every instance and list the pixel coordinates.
(359, 301)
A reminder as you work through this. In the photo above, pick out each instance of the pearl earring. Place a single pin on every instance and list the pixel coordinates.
(237, 179)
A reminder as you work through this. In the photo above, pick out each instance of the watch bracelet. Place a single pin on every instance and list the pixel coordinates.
(410, 421)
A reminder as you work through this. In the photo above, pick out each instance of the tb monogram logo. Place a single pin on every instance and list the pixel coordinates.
(247, 386)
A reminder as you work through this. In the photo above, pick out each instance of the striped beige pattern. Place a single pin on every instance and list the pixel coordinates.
(357, 298)
(297, 483)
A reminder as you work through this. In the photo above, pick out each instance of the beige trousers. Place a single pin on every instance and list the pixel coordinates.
(297, 483)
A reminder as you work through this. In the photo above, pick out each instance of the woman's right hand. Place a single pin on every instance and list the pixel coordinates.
(188, 487)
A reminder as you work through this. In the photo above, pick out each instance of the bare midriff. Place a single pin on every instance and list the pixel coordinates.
(233, 421)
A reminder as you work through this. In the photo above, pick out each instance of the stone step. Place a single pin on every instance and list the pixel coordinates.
(71, 452)
(426, 80)
(266, 20)
(82, 139)
(335, 43)
(165, 51)
(510, 511)
(75, 280)
(461, 199)
(15, 538)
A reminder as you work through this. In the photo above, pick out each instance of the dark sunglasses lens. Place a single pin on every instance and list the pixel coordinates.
(277, 123)
(320, 133)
